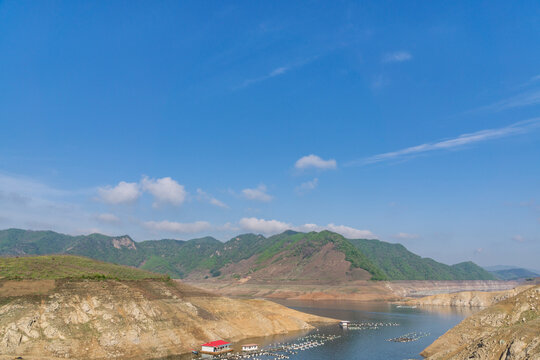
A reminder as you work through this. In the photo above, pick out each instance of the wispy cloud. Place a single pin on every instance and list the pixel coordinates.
(307, 186)
(520, 127)
(530, 98)
(397, 56)
(108, 218)
(406, 236)
(204, 196)
(276, 72)
(30, 204)
(178, 227)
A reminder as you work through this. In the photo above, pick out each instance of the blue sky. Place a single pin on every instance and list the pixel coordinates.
(411, 122)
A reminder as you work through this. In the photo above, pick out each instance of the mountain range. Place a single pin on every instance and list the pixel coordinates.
(287, 257)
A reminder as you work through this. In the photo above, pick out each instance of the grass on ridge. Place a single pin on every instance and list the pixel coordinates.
(54, 267)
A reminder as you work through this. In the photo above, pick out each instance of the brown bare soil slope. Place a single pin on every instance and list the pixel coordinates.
(508, 330)
(324, 265)
(88, 319)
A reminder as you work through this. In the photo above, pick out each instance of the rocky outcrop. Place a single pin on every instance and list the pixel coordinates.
(131, 319)
(468, 298)
(124, 241)
(508, 330)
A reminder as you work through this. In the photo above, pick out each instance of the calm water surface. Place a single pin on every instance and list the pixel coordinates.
(368, 344)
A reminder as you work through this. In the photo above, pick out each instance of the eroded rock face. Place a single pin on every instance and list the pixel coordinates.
(124, 241)
(109, 319)
(508, 330)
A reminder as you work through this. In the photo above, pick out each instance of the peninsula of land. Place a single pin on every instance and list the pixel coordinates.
(73, 307)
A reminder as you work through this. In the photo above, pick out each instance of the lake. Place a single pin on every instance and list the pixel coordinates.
(424, 323)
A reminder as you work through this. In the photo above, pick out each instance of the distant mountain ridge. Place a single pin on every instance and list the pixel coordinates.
(289, 256)
(401, 264)
(514, 274)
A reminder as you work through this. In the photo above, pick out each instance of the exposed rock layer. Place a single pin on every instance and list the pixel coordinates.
(354, 290)
(469, 298)
(508, 330)
(131, 319)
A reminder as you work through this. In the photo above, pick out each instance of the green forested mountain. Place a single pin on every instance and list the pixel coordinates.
(290, 255)
(514, 274)
(398, 263)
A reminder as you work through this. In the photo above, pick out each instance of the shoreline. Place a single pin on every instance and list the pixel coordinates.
(358, 291)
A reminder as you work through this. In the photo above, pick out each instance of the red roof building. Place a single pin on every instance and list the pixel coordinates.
(216, 343)
(216, 347)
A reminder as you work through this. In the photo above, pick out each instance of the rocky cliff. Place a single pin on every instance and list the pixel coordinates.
(87, 319)
(508, 330)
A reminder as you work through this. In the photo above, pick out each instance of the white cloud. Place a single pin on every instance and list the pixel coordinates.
(517, 128)
(346, 231)
(122, 193)
(164, 190)
(274, 226)
(398, 56)
(518, 238)
(258, 194)
(178, 227)
(263, 226)
(315, 162)
(406, 236)
(108, 218)
(307, 186)
(204, 196)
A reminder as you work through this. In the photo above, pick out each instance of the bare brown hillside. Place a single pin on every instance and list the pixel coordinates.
(324, 265)
(129, 319)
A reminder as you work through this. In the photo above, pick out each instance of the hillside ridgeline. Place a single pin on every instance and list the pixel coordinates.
(514, 274)
(323, 257)
(128, 313)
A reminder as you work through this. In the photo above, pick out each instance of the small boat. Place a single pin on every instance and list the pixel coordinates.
(344, 324)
